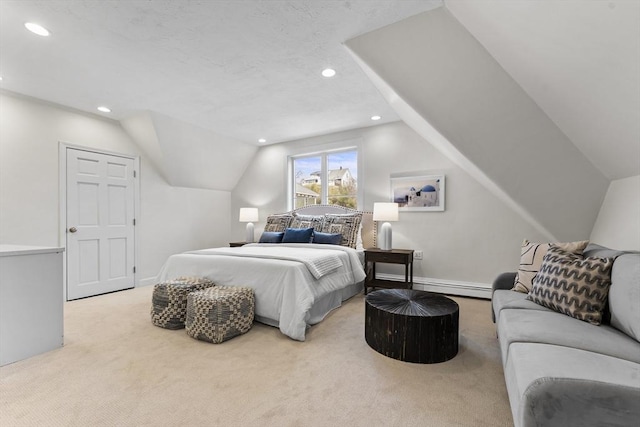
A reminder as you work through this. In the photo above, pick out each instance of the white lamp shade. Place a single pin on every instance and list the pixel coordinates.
(249, 215)
(385, 211)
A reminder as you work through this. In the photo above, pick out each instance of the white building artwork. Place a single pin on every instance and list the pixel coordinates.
(419, 192)
(427, 196)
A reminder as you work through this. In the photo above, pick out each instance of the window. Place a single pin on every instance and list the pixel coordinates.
(326, 178)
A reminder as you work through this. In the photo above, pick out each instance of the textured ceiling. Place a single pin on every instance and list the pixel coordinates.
(578, 60)
(245, 69)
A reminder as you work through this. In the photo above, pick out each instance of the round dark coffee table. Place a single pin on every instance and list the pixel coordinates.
(412, 326)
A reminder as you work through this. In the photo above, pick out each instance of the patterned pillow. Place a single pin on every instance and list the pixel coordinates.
(346, 224)
(573, 285)
(308, 221)
(531, 255)
(278, 223)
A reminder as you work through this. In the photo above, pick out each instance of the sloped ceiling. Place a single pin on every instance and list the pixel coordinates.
(578, 60)
(454, 93)
(250, 69)
(244, 69)
(186, 155)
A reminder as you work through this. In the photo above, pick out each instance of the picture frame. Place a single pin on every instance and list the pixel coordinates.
(420, 193)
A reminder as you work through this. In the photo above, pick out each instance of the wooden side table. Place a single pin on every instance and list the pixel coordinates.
(393, 256)
(237, 244)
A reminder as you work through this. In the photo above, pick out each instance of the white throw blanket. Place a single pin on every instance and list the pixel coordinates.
(318, 261)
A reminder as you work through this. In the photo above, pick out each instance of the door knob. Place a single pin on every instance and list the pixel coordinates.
(73, 230)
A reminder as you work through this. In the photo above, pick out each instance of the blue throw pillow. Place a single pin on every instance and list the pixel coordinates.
(327, 238)
(298, 235)
(271, 237)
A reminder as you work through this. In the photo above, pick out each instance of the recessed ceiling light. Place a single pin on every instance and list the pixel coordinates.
(37, 29)
(104, 109)
(261, 140)
(0, 78)
(375, 117)
(328, 72)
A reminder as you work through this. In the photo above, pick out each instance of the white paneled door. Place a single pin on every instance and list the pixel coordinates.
(100, 223)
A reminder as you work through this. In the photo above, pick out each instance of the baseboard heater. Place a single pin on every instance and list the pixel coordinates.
(450, 287)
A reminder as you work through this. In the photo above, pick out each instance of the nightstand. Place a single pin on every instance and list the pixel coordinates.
(237, 244)
(393, 256)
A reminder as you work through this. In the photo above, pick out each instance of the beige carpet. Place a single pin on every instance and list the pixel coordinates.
(117, 369)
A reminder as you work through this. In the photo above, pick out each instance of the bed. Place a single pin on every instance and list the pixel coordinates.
(296, 284)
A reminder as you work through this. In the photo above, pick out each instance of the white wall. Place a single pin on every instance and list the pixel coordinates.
(473, 240)
(173, 219)
(618, 224)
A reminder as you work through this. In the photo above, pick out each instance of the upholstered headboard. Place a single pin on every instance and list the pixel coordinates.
(369, 226)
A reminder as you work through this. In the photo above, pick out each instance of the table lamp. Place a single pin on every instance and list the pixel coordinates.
(249, 215)
(385, 212)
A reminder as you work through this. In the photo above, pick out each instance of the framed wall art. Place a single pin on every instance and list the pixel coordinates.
(418, 192)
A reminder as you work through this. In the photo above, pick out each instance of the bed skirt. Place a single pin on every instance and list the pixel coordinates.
(322, 306)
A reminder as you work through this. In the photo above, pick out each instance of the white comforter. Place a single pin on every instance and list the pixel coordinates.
(287, 278)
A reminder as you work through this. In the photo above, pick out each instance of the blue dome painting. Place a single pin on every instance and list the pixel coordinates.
(419, 193)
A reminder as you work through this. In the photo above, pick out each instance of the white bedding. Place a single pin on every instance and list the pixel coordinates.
(285, 289)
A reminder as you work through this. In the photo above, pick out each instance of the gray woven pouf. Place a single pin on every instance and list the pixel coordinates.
(220, 313)
(169, 301)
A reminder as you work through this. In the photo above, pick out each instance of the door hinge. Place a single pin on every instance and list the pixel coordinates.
(135, 174)
(134, 222)
(134, 270)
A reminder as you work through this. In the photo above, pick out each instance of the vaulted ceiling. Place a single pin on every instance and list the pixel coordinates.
(244, 69)
(251, 69)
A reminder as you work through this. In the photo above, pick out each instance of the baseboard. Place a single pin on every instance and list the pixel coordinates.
(451, 287)
(147, 282)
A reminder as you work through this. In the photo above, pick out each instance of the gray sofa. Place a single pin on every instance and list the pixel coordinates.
(561, 371)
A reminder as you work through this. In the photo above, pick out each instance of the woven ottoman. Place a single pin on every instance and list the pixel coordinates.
(169, 301)
(220, 313)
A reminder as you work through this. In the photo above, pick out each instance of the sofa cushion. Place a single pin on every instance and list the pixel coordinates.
(559, 386)
(593, 249)
(573, 285)
(531, 255)
(506, 299)
(547, 327)
(624, 295)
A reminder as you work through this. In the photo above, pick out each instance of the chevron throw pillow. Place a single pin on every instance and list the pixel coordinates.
(573, 285)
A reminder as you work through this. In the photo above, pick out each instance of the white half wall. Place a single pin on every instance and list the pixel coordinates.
(477, 237)
(173, 219)
(618, 223)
